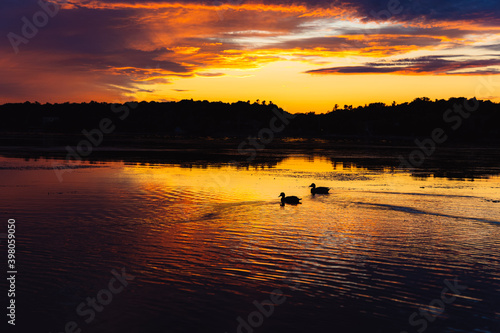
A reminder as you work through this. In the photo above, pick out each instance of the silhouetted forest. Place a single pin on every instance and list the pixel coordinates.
(462, 120)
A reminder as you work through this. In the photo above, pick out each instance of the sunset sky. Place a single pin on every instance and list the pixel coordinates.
(303, 56)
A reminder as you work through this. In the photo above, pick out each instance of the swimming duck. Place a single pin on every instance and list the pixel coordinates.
(319, 190)
(292, 200)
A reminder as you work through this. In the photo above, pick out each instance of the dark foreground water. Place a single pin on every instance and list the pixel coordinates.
(169, 248)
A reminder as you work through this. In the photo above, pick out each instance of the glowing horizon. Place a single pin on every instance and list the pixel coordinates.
(301, 56)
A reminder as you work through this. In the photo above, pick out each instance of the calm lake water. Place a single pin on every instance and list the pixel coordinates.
(208, 245)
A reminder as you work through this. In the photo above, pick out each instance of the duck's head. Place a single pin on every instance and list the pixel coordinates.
(282, 195)
(312, 185)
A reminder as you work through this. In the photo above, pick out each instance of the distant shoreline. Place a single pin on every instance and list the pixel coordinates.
(147, 124)
(454, 162)
(454, 138)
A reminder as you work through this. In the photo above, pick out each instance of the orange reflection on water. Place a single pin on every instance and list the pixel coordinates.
(210, 230)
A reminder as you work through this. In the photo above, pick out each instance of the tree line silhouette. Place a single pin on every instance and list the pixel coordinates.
(189, 118)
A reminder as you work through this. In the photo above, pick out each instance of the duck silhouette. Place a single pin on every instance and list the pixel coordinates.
(291, 200)
(318, 190)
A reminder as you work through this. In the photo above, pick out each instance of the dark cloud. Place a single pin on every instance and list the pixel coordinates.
(91, 50)
(370, 10)
(421, 65)
(406, 30)
(94, 39)
(409, 10)
(491, 47)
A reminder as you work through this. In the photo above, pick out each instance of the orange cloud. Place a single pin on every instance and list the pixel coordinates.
(132, 47)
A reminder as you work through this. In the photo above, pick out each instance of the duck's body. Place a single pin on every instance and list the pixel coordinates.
(318, 190)
(291, 200)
